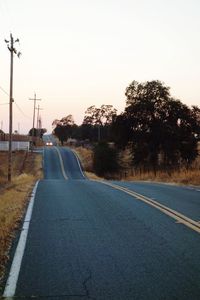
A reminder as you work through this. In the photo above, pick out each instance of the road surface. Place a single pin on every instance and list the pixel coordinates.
(90, 240)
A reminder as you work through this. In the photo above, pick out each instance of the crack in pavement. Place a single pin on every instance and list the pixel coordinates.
(85, 296)
(86, 288)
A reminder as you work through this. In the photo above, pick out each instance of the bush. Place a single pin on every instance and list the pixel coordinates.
(105, 159)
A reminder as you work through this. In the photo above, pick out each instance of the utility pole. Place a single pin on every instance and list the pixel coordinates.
(40, 122)
(38, 112)
(38, 118)
(34, 108)
(12, 50)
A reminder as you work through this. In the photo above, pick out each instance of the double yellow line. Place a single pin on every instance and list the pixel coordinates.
(61, 164)
(180, 218)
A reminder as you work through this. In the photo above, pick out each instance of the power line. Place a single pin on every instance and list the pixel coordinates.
(19, 108)
(4, 91)
(23, 113)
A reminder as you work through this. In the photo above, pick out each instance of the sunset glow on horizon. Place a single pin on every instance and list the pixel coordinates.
(81, 53)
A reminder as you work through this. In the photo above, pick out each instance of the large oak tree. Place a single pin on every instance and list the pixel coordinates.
(162, 130)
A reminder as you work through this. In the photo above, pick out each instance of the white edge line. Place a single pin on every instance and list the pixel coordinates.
(19, 252)
(79, 164)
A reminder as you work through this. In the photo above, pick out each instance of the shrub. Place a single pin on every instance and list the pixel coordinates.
(105, 159)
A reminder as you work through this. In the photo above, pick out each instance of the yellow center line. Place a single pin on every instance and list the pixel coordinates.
(180, 218)
(61, 164)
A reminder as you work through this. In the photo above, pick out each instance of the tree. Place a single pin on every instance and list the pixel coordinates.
(99, 120)
(92, 116)
(195, 114)
(68, 120)
(162, 130)
(37, 132)
(99, 116)
(59, 131)
(2, 135)
(121, 132)
(64, 128)
(33, 132)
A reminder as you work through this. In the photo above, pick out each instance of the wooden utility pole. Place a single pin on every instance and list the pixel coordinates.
(34, 108)
(12, 50)
(38, 112)
(38, 119)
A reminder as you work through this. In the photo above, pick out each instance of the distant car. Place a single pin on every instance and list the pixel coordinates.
(49, 144)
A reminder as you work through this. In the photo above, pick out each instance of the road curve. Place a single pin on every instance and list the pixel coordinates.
(184, 199)
(88, 240)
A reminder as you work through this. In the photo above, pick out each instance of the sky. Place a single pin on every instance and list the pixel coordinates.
(78, 53)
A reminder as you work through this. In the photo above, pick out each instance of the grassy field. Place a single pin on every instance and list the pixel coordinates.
(27, 168)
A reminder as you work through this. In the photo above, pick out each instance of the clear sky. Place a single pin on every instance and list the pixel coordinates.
(78, 53)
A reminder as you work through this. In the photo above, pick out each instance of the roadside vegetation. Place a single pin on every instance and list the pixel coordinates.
(183, 176)
(27, 168)
(105, 159)
(160, 134)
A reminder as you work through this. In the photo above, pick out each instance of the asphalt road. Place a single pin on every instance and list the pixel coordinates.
(88, 240)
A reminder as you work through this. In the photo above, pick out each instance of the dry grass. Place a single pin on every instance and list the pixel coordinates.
(190, 176)
(86, 157)
(18, 159)
(14, 197)
(187, 177)
(93, 176)
(183, 176)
